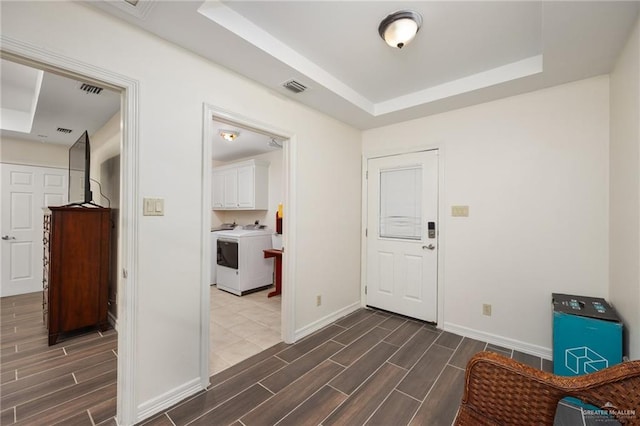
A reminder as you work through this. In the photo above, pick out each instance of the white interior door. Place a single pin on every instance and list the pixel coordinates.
(402, 239)
(26, 190)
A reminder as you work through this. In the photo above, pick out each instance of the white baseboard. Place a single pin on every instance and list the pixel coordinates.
(326, 320)
(495, 339)
(166, 400)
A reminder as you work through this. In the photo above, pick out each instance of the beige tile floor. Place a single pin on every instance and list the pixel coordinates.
(241, 326)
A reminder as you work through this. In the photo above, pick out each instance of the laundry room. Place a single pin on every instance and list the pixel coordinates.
(246, 242)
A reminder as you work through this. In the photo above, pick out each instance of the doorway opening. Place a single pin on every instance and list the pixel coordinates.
(247, 170)
(122, 178)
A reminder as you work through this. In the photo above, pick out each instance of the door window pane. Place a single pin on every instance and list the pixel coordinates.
(401, 203)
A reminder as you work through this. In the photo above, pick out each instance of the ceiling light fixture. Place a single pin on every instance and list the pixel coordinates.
(229, 135)
(399, 28)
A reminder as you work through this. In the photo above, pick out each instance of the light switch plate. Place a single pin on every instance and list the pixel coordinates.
(460, 211)
(153, 207)
(486, 309)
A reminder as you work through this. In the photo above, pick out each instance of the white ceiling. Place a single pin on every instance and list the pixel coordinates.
(248, 143)
(57, 102)
(465, 53)
(35, 103)
(19, 97)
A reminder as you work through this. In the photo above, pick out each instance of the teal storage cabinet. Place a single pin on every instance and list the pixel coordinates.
(587, 335)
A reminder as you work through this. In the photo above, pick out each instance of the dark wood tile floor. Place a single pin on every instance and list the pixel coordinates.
(70, 383)
(369, 368)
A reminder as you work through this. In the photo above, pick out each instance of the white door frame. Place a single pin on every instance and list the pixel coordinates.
(34, 55)
(289, 240)
(377, 153)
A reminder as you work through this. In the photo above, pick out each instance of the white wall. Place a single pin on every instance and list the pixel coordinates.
(625, 190)
(266, 217)
(174, 84)
(105, 144)
(105, 169)
(29, 153)
(533, 170)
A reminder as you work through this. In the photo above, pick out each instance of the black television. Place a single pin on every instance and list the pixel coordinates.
(79, 168)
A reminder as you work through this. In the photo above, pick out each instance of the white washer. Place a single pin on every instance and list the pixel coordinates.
(241, 264)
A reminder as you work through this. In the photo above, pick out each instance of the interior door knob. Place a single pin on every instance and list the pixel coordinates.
(6, 237)
(429, 247)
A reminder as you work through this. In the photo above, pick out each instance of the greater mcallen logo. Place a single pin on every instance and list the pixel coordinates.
(608, 410)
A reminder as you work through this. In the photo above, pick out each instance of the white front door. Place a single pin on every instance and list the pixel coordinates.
(402, 238)
(26, 190)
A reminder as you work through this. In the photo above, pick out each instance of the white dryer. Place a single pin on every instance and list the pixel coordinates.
(214, 248)
(241, 266)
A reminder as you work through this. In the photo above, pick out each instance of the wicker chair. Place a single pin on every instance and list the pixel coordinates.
(501, 391)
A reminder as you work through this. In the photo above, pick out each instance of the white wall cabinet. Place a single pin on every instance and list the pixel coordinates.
(241, 186)
(217, 187)
(230, 178)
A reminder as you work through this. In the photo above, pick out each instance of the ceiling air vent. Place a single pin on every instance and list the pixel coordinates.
(294, 86)
(88, 88)
(63, 130)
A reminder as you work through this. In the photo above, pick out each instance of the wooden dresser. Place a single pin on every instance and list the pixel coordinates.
(76, 268)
